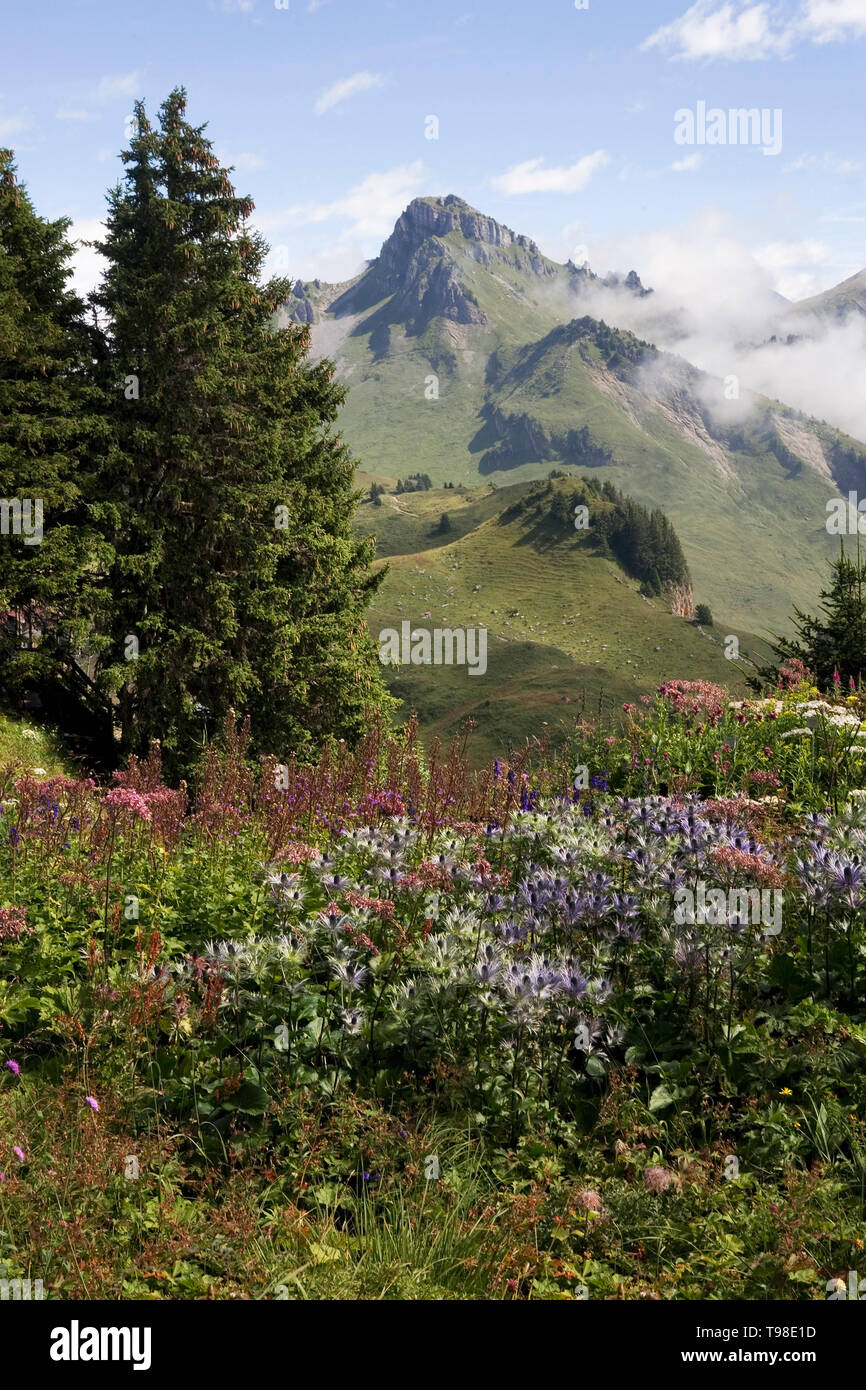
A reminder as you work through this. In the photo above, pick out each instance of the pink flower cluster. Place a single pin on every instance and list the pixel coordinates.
(296, 853)
(382, 907)
(695, 697)
(360, 938)
(762, 777)
(747, 868)
(794, 672)
(12, 923)
(125, 799)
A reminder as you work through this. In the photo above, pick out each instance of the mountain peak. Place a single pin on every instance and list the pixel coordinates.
(427, 272)
(439, 216)
(433, 266)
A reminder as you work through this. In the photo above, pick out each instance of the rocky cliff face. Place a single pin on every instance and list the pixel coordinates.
(420, 271)
(300, 307)
(440, 294)
(437, 217)
(682, 600)
(631, 282)
(419, 267)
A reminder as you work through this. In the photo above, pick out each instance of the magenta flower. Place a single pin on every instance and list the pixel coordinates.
(92, 1102)
(19, 1153)
(13, 1067)
(126, 799)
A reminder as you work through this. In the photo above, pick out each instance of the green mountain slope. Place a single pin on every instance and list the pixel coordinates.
(467, 356)
(567, 626)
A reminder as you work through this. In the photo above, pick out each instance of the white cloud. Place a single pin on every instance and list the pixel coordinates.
(369, 209)
(832, 163)
(799, 284)
(126, 85)
(315, 5)
(750, 30)
(792, 266)
(530, 177)
(687, 165)
(87, 264)
(781, 254)
(74, 113)
(831, 21)
(13, 125)
(348, 87)
(122, 85)
(332, 262)
(374, 205)
(736, 29)
(243, 161)
(716, 303)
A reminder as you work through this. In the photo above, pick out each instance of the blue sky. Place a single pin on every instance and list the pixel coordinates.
(556, 120)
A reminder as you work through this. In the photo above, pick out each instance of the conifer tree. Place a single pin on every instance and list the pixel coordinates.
(238, 583)
(52, 427)
(832, 644)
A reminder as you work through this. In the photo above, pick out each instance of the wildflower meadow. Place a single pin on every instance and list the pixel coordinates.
(384, 1026)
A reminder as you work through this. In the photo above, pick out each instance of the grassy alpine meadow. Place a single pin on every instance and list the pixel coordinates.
(382, 1026)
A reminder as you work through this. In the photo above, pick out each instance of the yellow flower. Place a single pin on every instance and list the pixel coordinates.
(785, 1092)
(184, 1026)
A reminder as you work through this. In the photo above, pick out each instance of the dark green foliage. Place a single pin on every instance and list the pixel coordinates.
(703, 615)
(579, 447)
(52, 426)
(831, 645)
(416, 482)
(643, 541)
(787, 458)
(617, 345)
(229, 499)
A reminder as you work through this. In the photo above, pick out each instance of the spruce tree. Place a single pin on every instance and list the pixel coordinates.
(833, 643)
(52, 427)
(237, 583)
